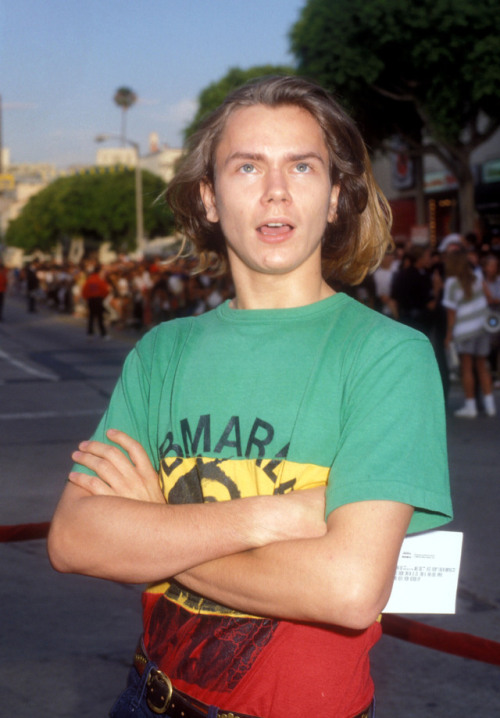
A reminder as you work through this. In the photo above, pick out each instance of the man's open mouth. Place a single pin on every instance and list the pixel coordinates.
(275, 229)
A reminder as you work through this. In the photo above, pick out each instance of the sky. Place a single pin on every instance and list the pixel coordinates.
(61, 62)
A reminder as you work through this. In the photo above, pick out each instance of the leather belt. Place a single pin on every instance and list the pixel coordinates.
(162, 697)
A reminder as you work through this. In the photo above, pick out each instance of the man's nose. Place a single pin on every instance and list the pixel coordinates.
(276, 187)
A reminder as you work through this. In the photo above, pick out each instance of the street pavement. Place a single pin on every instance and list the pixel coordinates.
(66, 641)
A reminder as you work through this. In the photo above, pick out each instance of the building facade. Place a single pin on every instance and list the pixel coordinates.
(160, 160)
(397, 175)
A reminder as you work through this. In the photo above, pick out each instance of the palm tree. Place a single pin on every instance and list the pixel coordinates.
(124, 98)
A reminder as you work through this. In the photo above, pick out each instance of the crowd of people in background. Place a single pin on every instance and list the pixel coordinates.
(451, 293)
(4, 277)
(139, 294)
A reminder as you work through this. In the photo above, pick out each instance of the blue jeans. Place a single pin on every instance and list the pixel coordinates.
(132, 702)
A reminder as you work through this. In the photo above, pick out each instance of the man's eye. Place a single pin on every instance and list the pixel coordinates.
(247, 168)
(302, 167)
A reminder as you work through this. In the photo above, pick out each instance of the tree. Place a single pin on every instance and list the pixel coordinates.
(124, 98)
(212, 96)
(98, 206)
(427, 71)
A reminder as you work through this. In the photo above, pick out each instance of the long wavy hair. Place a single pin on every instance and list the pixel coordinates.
(457, 265)
(354, 243)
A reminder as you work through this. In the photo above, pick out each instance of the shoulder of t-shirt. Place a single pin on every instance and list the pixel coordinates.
(166, 336)
(375, 325)
(371, 338)
(163, 334)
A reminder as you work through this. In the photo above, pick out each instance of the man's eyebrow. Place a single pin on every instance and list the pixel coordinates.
(305, 156)
(243, 156)
(256, 157)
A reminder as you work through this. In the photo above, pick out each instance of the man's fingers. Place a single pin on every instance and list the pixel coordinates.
(93, 451)
(101, 450)
(93, 484)
(130, 474)
(105, 464)
(137, 454)
(106, 460)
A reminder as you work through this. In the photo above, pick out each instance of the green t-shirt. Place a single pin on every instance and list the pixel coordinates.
(245, 402)
(329, 391)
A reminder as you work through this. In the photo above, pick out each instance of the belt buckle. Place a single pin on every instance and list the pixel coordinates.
(159, 691)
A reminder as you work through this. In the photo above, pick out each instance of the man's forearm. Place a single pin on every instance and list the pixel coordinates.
(343, 578)
(268, 581)
(138, 541)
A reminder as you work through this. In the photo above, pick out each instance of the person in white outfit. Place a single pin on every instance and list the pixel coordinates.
(466, 306)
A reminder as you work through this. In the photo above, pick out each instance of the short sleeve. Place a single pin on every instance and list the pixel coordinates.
(128, 409)
(393, 435)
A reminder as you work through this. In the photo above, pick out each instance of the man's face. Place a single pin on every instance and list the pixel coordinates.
(272, 196)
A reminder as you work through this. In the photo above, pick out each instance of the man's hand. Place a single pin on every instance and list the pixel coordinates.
(302, 514)
(117, 475)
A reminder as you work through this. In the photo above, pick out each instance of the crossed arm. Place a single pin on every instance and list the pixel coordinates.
(266, 555)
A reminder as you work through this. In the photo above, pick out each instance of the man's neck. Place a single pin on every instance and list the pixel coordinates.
(278, 292)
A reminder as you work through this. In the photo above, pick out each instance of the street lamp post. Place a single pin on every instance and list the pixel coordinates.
(139, 211)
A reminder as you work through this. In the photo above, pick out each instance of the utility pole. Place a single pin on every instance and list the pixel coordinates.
(139, 209)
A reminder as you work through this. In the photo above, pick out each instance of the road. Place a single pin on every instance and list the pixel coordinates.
(67, 640)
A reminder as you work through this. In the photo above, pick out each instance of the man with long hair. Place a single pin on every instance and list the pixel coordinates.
(259, 465)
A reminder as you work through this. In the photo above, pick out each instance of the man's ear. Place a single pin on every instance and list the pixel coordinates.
(208, 199)
(334, 196)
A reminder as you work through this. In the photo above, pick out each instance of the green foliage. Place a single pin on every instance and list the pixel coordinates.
(96, 206)
(213, 95)
(125, 97)
(401, 65)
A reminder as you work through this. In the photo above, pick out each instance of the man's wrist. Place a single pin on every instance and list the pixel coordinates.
(296, 515)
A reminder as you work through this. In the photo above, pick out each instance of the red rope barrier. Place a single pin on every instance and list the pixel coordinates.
(24, 532)
(458, 644)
